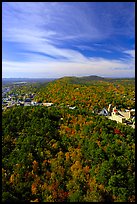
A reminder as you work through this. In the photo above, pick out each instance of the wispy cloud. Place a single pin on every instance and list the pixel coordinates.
(66, 21)
(46, 31)
(130, 53)
(48, 68)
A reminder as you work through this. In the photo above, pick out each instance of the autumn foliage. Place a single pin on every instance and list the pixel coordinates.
(55, 154)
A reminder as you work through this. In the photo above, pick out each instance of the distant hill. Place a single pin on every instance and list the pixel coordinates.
(80, 80)
(89, 79)
(69, 79)
(92, 77)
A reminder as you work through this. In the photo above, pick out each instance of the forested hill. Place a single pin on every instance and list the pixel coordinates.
(89, 95)
(91, 79)
(79, 80)
(58, 154)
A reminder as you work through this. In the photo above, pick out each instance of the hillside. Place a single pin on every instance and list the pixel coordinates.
(67, 152)
(60, 155)
(91, 79)
(85, 79)
(90, 95)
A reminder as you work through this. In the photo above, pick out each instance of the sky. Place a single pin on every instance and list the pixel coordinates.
(56, 39)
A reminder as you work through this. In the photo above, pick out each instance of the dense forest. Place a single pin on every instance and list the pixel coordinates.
(55, 154)
(89, 95)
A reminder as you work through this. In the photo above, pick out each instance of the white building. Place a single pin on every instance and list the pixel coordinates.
(117, 116)
(47, 104)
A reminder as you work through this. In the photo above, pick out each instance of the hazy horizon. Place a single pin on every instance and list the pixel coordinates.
(57, 39)
(60, 77)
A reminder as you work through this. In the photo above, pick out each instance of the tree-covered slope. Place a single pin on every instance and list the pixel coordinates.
(62, 155)
(91, 96)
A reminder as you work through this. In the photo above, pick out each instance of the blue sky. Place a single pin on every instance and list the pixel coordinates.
(56, 39)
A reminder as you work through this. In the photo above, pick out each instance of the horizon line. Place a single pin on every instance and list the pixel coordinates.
(64, 76)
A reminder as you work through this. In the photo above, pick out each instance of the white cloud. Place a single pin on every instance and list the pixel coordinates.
(131, 53)
(79, 22)
(42, 28)
(49, 68)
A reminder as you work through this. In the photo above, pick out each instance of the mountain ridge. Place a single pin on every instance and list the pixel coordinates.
(70, 79)
(89, 79)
